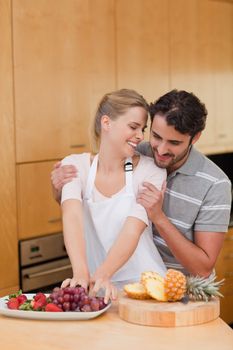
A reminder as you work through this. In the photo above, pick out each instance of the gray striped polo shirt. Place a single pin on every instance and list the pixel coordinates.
(197, 198)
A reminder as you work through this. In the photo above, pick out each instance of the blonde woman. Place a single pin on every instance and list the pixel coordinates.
(107, 234)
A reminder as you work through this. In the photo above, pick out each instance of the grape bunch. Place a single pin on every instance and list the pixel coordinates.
(76, 299)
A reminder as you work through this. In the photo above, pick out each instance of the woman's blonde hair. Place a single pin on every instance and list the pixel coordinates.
(113, 105)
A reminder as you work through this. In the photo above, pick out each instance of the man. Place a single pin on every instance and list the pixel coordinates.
(191, 212)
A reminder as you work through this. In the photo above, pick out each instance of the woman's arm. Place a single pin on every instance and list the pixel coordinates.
(72, 216)
(118, 255)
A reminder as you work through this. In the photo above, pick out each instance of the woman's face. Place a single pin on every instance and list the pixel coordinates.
(127, 131)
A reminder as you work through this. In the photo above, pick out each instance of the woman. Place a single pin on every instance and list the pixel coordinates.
(107, 234)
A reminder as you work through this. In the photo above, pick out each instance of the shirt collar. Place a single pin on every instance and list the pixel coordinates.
(192, 164)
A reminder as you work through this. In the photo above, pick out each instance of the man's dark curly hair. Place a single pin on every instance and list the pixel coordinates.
(181, 109)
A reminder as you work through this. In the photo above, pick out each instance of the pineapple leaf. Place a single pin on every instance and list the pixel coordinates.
(201, 288)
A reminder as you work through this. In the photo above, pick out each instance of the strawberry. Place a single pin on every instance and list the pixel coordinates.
(21, 299)
(52, 308)
(40, 296)
(39, 301)
(13, 304)
(38, 305)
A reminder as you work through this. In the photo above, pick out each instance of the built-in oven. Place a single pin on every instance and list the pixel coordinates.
(44, 263)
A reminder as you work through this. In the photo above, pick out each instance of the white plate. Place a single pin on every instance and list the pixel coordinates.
(42, 315)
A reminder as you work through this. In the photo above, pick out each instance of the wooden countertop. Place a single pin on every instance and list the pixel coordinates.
(107, 332)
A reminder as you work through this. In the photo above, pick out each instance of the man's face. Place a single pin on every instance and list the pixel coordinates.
(170, 147)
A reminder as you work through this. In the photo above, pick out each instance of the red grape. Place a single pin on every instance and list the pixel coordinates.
(76, 299)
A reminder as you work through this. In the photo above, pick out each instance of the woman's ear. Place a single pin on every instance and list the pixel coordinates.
(105, 122)
(196, 138)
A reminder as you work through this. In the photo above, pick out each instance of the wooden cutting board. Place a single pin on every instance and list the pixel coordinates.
(164, 314)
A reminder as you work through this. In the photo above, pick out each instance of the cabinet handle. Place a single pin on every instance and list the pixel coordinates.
(229, 256)
(230, 238)
(229, 274)
(222, 136)
(78, 145)
(54, 220)
(48, 272)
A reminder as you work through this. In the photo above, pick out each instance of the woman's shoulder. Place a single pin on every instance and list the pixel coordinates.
(148, 163)
(77, 159)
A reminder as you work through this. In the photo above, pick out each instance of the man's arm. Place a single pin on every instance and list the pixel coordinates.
(197, 257)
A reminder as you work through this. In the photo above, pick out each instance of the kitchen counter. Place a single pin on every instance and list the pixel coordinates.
(107, 332)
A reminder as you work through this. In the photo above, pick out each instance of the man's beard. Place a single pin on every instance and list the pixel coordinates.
(173, 161)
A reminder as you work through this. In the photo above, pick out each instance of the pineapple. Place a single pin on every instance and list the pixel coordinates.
(154, 285)
(155, 289)
(151, 274)
(136, 291)
(175, 286)
(200, 288)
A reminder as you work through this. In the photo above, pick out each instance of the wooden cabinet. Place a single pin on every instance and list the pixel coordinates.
(224, 269)
(38, 212)
(8, 228)
(64, 61)
(142, 36)
(201, 36)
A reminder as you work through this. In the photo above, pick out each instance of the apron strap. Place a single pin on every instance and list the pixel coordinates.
(91, 178)
(92, 174)
(129, 175)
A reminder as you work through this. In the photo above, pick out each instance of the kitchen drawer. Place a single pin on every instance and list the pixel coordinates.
(226, 303)
(38, 213)
(230, 234)
(224, 269)
(224, 264)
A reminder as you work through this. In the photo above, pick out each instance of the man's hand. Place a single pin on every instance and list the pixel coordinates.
(61, 175)
(152, 200)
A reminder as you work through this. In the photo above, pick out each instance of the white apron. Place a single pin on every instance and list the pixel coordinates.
(103, 222)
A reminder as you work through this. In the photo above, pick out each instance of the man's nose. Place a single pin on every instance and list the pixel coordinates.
(162, 148)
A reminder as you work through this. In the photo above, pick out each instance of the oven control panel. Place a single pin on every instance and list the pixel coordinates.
(41, 249)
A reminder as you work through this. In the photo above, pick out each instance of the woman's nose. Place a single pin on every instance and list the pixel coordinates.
(140, 135)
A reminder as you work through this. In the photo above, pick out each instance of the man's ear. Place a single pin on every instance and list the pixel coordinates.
(196, 138)
(105, 122)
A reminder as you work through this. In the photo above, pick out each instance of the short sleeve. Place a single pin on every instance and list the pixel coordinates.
(145, 149)
(214, 214)
(146, 171)
(75, 188)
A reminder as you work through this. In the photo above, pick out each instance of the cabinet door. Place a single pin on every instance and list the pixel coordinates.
(223, 84)
(8, 228)
(224, 269)
(38, 212)
(201, 36)
(63, 63)
(142, 46)
(192, 56)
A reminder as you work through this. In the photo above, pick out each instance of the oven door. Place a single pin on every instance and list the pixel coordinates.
(46, 274)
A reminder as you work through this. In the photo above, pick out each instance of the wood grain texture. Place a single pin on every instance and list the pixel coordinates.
(201, 41)
(38, 212)
(110, 332)
(164, 314)
(64, 61)
(8, 229)
(224, 269)
(142, 32)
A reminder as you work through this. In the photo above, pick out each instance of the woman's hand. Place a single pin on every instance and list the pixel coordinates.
(74, 281)
(100, 282)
